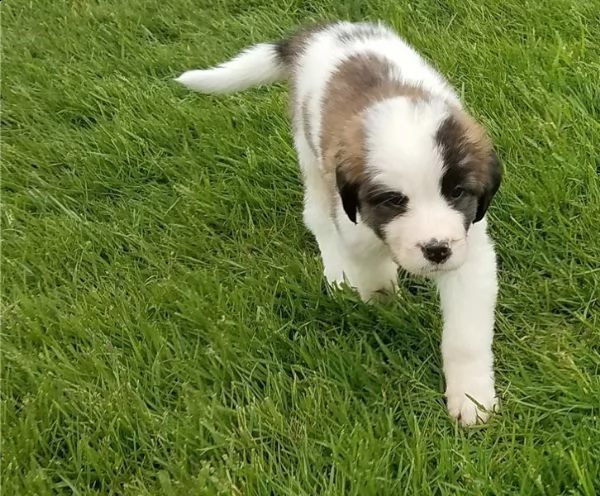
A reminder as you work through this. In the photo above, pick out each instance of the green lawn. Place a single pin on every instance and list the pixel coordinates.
(165, 325)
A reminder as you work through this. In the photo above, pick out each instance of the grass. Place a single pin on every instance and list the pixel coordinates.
(165, 327)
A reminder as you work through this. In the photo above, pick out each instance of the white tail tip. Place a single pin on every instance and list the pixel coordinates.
(259, 64)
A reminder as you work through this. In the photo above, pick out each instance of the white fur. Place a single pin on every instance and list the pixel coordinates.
(352, 253)
(468, 297)
(414, 166)
(256, 65)
(325, 53)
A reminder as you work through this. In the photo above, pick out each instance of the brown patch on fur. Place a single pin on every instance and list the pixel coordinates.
(466, 146)
(470, 164)
(288, 51)
(290, 48)
(476, 143)
(359, 82)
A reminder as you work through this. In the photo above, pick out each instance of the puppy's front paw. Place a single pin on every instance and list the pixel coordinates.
(471, 401)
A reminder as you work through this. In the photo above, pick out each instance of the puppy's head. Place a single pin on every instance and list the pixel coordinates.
(419, 173)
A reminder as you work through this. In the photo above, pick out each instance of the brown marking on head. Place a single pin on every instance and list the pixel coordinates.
(472, 172)
(359, 82)
(344, 161)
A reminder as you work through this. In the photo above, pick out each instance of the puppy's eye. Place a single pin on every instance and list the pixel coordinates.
(458, 192)
(391, 200)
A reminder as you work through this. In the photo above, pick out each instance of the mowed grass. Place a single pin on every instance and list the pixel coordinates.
(165, 326)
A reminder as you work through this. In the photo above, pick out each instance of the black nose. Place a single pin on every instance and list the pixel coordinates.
(436, 252)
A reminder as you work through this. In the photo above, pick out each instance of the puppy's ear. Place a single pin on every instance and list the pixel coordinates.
(348, 160)
(348, 191)
(494, 178)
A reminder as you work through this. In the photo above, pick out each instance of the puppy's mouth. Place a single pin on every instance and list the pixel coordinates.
(427, 270)
(436, 269)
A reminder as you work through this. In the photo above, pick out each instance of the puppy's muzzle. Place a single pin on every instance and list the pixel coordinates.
(436, 251)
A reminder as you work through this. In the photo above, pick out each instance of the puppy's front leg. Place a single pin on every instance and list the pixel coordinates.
(468, 298)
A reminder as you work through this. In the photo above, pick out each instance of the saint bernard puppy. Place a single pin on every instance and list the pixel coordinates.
(396, 174)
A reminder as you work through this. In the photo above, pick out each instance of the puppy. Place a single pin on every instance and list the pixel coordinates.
(396, 173)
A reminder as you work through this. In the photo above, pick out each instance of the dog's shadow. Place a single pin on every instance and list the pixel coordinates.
(402, 332)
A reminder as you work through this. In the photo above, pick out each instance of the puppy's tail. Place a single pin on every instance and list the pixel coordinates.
(260, 64)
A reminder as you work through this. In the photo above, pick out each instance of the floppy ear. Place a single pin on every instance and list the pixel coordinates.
(492, 184)
(347, 156)
(348, 191)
